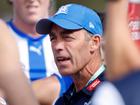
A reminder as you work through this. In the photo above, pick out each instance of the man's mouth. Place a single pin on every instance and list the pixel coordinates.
(62, 59)
(31, 6)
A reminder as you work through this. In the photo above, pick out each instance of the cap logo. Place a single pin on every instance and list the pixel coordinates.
(91, 25)
(63, 9)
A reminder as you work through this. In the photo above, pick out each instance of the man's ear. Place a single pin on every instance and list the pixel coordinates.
(95, 43)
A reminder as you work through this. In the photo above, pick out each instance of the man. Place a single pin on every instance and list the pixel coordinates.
(12, 80)
(122, 60)
(75, 33)
(35, 50)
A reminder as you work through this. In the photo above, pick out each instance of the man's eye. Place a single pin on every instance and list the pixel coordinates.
(68, 38)
(52, 38)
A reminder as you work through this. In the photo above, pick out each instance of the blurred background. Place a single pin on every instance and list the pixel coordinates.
(6, 10)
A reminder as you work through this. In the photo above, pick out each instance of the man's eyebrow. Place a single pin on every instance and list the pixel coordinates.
(67, 31)
(51, 33)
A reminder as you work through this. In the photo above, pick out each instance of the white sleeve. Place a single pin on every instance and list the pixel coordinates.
(107, 94)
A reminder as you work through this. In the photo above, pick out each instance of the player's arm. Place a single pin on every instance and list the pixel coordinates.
(12, 80)
(47, 90)
(121, 52)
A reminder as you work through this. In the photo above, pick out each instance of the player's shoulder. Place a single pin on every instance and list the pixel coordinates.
(132, 78)
(2, 23)
(128, 87)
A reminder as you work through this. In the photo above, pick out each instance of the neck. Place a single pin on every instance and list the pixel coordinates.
(26, 27)
(83, 76)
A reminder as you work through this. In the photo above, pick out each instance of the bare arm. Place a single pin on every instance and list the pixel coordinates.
(121, 52)
(12, 81)
(46, 90)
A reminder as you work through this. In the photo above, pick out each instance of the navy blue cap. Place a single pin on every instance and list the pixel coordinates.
(72, 17)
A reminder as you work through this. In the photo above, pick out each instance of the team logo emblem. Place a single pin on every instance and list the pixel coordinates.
(63, 9)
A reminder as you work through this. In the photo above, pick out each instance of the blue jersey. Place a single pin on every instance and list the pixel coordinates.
(36, 56)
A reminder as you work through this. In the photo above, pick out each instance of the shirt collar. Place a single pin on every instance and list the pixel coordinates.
(94, 81)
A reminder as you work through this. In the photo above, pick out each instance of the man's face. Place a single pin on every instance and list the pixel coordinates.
(30, 11)
(71, 49)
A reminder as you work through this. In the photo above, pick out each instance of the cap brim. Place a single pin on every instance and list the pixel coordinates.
(44, 25)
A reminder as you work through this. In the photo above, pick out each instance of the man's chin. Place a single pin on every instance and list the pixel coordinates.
(64, 73)
(32, 20)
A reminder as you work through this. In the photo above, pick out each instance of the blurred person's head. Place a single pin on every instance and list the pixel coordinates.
(75, 32)
(30, 11)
